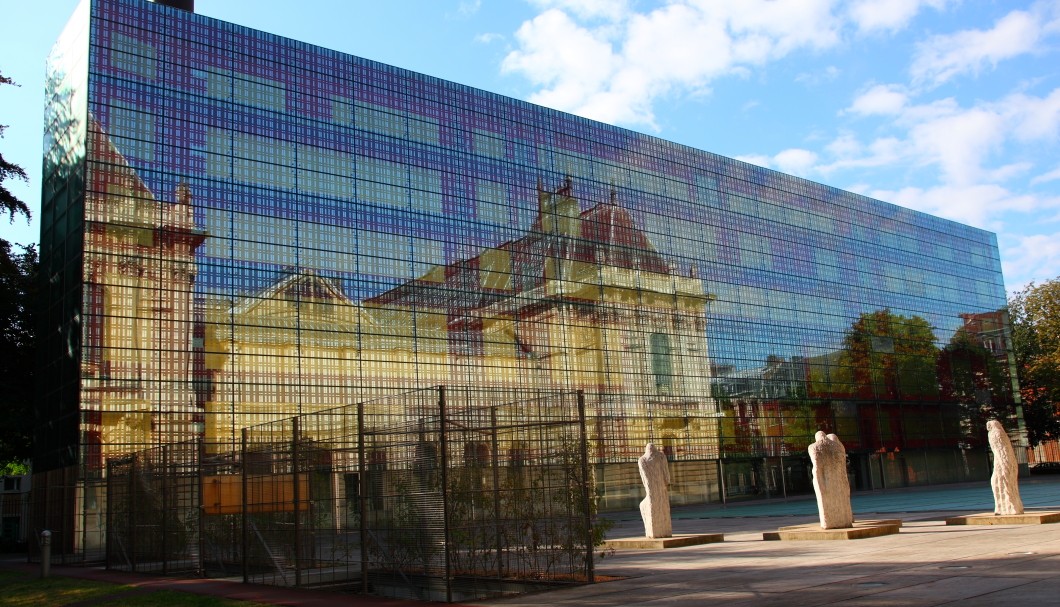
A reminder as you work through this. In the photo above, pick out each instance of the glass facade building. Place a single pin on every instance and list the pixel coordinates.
(239, 228)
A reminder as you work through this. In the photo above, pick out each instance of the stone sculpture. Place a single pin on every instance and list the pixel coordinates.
(655, 508)
(1004, 479)
(830, 482)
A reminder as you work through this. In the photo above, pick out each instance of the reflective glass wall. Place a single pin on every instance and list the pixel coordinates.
(271, 229)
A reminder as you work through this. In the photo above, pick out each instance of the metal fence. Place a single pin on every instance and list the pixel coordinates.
(477, 490)
(438, 494)
(153, 514)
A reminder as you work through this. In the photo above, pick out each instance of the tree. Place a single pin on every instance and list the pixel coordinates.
(1035, 314)
(887, 355)
(971, 375)
(18, 287)
(10, 170)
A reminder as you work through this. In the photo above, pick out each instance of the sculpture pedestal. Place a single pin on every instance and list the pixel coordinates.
(989, 518)
(677, 541)
(813, 531)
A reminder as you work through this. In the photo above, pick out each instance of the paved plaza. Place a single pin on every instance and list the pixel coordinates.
(927, 564)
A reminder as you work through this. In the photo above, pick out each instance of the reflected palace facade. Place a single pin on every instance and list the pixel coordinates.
(239, 228)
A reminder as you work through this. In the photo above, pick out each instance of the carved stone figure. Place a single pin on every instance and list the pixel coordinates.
(830, 481)
(655, 508)
(1004, 479)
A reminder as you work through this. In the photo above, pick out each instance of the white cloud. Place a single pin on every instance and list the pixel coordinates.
(882, 99)
(1007, 172)
(779, 25)
(960, 142)
(850, 153)
(943, 57)
(571, 72)
(828, 74)
(614, 70)
(755, 159)
(795, 161)
(963, 143)
(488, 38)
(888, 15)
(977, 205)
(466, 8)
(1034, 118)
(611, 10)
(1052, 175)
(1029, 257)
(846, 145)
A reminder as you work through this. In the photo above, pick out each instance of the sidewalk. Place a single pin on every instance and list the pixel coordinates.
(927, 564)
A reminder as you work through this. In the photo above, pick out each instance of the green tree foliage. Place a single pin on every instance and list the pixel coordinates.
(18, 287)
(18, 276)
(10, 170)
(886, 355)
(972, 375)
(1035, 313)
(13, 469)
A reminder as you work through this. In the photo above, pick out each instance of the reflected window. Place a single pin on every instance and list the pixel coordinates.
(661, 362)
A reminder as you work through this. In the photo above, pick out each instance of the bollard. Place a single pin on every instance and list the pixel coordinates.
(45, 552)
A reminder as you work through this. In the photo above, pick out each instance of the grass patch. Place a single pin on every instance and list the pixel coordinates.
(16, 590)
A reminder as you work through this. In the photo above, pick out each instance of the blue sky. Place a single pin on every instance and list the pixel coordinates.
(944, 106)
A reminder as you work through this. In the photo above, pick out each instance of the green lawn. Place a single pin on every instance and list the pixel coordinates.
(17, 590)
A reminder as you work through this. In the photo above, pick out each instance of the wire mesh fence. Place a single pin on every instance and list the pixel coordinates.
(153, 513)
(437, 494)
(477, 489)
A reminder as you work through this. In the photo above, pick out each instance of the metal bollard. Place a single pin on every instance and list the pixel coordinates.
(45, 552)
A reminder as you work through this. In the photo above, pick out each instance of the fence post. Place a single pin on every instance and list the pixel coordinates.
(44, 516)
(68, 496)
(165, 504)
(200, 507)
(590, 574)
(496, 491)
(721, 480)
(132, 512)
(783, 478)
(297, 505)
(362, 487)
(442, 439)
(107, 550)
(45, 553)
(243, 504)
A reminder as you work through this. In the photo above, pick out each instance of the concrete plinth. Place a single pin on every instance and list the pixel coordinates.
(813, 531)
(989, 518)
(677, 541)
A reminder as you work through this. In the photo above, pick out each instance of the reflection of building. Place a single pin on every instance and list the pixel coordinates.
(778, 378)
(540, 312)
(14, 512)
(990, 330)
(262, 349)
(136, 368)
